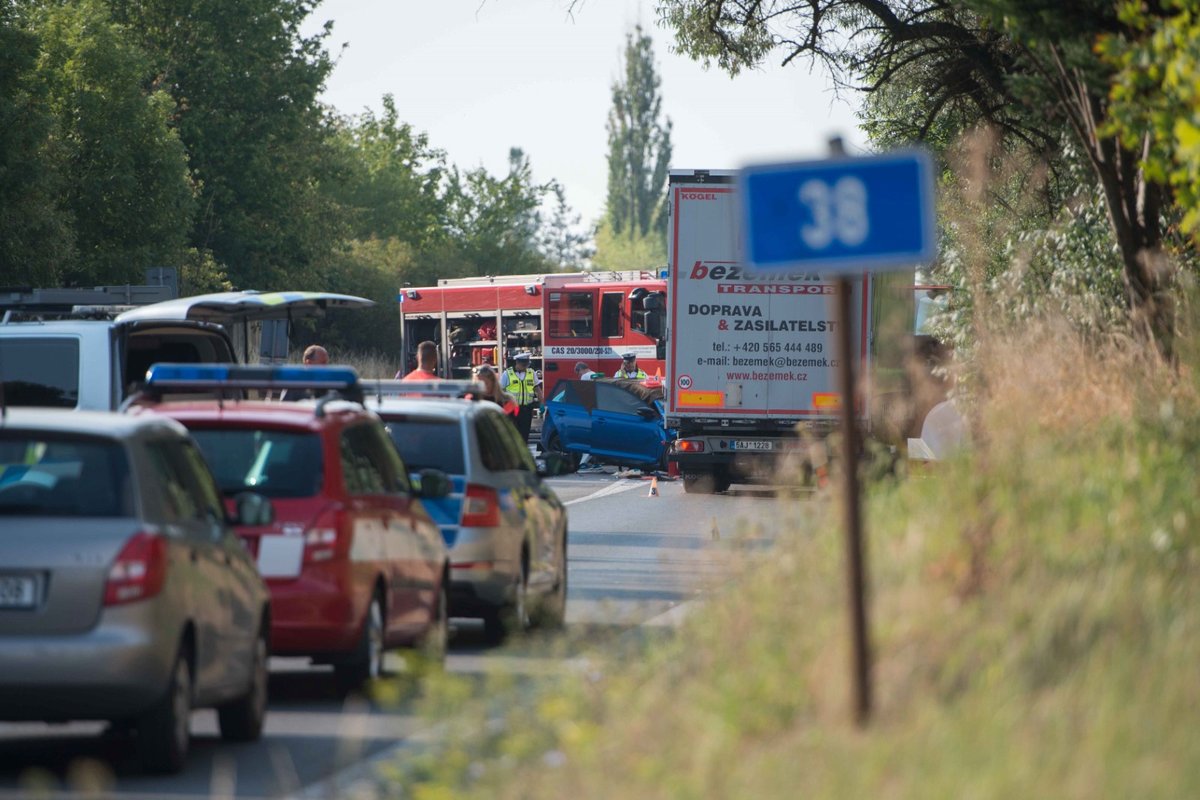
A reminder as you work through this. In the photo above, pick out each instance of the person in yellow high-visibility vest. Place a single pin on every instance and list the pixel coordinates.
(522, 383)
(630, 369)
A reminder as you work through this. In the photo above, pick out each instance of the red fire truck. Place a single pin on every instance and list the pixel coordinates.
(559, 318)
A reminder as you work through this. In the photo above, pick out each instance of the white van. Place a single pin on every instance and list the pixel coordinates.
(95, 363)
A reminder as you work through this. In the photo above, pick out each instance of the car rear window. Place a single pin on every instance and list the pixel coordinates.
(428, 443)
(274, 463)
(40, 372)
(174, 345)
(63, 476)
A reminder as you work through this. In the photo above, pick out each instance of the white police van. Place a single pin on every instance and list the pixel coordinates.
(94, 358)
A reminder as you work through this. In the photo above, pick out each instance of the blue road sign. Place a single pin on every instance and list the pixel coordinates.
(848, 215)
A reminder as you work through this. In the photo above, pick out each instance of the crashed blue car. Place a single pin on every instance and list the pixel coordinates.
(614, 421)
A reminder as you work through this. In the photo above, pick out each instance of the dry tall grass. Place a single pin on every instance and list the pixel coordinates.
(1036, 616)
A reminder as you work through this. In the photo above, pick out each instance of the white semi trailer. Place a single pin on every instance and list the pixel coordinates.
(751, 361)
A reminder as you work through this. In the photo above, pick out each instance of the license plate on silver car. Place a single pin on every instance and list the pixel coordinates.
(752, 444)
(17, 591)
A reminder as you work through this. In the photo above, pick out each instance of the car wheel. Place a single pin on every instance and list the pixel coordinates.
(699, 484)
(571, 460)
(432, 647)
(512, 617)
(367, 662)
(164, 732)
(552, 613)
(242, 719)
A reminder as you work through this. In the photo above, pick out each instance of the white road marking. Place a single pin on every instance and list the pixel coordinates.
(611, 489)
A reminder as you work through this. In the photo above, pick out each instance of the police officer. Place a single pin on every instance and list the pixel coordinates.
(522, 383)
(314, 356)
(629, 368)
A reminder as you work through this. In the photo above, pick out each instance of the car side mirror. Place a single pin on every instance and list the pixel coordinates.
(647, 413)
(253, 509)
(431, 483)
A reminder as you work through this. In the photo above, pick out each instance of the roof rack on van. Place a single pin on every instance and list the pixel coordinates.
(439, 388)
(164, 378)
(98, 301)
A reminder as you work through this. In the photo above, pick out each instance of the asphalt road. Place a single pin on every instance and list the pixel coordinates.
(633, 560)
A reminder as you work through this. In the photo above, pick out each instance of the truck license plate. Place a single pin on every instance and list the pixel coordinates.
(752, 444)
(17, 592)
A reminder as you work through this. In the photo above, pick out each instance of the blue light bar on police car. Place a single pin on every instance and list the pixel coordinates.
(199, 377)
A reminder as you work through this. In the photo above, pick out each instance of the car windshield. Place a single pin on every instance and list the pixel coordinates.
(63, 476)
(428, 443)
(274, 463)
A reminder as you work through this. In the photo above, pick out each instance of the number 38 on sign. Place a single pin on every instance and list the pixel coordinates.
(840, 215)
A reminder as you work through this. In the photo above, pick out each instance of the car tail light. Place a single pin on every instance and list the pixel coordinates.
(321, 539)
(482, 565)
(689, 446)
(481, 507)
(139, 570)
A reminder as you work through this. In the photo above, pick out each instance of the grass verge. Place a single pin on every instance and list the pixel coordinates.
(1035, 617)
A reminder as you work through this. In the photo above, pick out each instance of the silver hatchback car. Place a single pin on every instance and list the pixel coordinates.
(124, 594)
(504, 526)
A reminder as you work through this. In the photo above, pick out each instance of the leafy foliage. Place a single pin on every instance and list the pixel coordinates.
(127, 188)
(1157, 88)
(35, 232)
(639, 154)
(138, 133)
(495, 221)
(620, 251)
(245, 85)
(392, 179)
(934, 69)
(567, 247)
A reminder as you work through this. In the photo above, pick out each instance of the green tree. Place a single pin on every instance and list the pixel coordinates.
(391, 191)
(1156, 95)
(566, 246)
(639, 146)
(495, 222)
(392, 182)
(35, 233)
(245, 82)
(127, 189)
(1030, 70)
(616, 251)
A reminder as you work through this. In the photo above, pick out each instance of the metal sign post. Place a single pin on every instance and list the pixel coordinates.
(847, 216)
(860, 641)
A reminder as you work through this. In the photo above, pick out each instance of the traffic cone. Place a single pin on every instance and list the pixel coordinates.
(653, 487)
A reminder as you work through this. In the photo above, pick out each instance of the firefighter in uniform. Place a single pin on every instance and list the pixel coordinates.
(629, 368)
(522, 383)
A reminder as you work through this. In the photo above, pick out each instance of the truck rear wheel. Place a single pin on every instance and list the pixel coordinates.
(707, 482)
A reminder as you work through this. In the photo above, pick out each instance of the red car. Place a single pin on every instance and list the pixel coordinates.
(353, 561)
